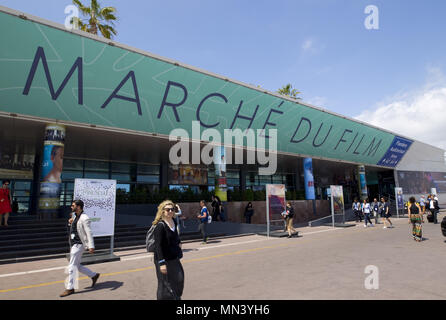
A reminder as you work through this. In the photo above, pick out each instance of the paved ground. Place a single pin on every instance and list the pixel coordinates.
(324, 263)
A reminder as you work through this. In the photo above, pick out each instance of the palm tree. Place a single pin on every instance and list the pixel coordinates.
(287, 90)
(97, 19)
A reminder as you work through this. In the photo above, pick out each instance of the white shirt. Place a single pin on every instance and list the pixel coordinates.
(366, 208)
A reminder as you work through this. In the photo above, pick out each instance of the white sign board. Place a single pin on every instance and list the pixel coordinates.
(99, 197)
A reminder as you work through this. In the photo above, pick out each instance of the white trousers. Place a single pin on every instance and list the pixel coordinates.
(75, 266)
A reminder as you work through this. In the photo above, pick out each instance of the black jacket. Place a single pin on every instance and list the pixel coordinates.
(167, 243)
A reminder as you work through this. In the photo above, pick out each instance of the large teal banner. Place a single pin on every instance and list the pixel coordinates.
(48, 72)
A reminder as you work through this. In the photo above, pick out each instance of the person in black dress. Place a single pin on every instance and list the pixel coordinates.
(167, 254)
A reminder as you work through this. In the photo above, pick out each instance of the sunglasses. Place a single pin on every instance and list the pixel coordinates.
(169, 209)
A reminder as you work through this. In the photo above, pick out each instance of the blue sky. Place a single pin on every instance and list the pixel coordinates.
(321, 47)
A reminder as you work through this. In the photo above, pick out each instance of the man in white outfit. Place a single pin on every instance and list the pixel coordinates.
(80, 240)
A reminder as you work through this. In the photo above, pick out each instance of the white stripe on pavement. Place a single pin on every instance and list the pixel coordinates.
(145, 255)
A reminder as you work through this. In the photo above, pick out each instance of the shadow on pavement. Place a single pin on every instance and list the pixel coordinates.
(112, 285)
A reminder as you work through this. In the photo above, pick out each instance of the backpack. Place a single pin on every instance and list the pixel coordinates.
(150, 238)
(209, 217)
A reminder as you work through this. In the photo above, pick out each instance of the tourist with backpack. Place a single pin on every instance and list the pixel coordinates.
(164, 241)
(205, 218)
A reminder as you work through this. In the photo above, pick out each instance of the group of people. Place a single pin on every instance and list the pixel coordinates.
(415, 210)
(366, 209)
(168, 251)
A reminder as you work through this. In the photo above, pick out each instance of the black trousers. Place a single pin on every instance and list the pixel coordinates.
(358, 215)
(434, 214)
(171, 285)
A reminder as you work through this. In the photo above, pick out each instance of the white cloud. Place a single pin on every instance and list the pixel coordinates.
(420, 115)
(312, 46)
(317, 101)
(307, 45)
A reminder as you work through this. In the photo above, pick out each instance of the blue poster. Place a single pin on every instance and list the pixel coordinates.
(395, 153)
(309, 179)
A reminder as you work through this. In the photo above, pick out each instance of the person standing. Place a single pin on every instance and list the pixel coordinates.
(415, 219)
(5, 202)
(167, 254)
(357, 210)
(385, 213)
(289, 219)
(422, 206)
(80, 239)
(204, 217)
(434, 208)
(216, 207)
(249, 212)
(375, 207)
(366, 209)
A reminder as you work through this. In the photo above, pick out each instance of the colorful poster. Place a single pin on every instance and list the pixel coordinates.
(276, 201)
(362, 182)
(309, 179)
(337, 196)
(188, 175)
(52, 165)
(220, 173)
(399, 198)
(99, 197)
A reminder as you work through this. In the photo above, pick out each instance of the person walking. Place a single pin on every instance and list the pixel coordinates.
(216, 208)
(415, 219)
(80, 239)
(5, 202)
(204, 217)
(385, 213)
(434, 208)
(357, 210)
(375, 207)
(366, 209)
(178, 216)
(249, 212)
(167, 254)
(289, 219)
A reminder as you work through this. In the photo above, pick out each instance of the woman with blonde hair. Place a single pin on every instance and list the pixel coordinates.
(167, 254)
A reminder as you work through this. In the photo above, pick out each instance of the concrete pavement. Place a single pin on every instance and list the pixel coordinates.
(324, 263)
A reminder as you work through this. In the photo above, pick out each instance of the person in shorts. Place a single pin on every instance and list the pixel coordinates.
(385, 213)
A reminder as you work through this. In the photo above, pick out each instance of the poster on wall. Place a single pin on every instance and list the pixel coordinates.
(188, 174)
(362, 182)
(221, 186)
(399, 198)
(99, 197)
(309, 179)
(52, 165)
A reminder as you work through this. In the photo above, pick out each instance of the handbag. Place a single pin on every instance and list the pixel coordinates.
(171, 293)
